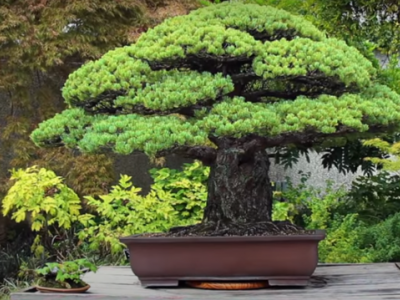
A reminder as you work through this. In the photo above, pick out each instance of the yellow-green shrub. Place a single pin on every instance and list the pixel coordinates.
(177, 198)
(124, 212)
(40, 197)
(187, 186)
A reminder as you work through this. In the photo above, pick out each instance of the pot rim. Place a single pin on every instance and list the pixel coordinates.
(59, 290)
(137, 238)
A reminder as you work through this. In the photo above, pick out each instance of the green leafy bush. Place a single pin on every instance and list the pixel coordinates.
(315, 208)
(374, 198)
(188, 188)
(40, 194)
(177, 198)
(124, 212)
(361, 224)
(382, 240)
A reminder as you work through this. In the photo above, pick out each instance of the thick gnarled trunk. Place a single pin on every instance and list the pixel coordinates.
(239, 188)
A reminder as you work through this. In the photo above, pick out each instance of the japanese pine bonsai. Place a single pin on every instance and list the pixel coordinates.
(222, 85)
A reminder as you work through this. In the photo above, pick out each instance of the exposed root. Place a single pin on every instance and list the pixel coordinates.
(237, 229)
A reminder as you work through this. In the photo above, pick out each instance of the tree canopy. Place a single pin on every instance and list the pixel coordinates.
(227, 75)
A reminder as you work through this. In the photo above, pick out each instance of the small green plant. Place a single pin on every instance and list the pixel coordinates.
(291, 202)
(10, 286)
(64, 275)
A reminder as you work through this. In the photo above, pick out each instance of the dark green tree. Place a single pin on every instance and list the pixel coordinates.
(41, 42)
(222, 85)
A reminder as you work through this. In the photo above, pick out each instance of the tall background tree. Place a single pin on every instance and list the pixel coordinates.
(41, 43)
(222, 85)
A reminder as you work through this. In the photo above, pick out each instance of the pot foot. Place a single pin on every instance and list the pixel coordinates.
(288, 282)
(158, 283)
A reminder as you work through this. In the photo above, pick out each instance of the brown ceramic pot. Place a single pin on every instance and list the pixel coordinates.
(282, 260)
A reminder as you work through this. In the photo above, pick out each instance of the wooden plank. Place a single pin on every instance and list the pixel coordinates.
(344, 281)
(357, 269)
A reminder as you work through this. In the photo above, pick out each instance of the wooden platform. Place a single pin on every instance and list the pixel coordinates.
(344, 281)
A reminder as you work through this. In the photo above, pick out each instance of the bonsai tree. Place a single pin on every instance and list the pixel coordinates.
(222, 85)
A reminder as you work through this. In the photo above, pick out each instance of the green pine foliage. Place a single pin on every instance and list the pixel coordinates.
(230, 70)
(268, 22)
(300, 57)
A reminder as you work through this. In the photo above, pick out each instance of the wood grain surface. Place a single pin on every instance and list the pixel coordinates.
(331, 281)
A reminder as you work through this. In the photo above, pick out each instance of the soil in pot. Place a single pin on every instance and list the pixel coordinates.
(263, 228)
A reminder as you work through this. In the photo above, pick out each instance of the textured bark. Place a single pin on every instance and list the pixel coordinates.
(239, 188)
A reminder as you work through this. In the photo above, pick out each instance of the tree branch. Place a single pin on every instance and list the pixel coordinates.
(245, 76)
(257, 95)
(264, 36)
(205, 154)
(253, 143)
(312, 86)
(103, 103)
(200, 62)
